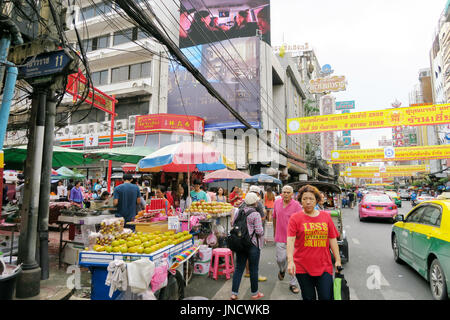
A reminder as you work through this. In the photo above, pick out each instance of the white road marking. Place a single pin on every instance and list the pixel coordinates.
(355, 241)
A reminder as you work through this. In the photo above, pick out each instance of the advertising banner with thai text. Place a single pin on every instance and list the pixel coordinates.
(410, 116)
(372, 169)
(399, 154)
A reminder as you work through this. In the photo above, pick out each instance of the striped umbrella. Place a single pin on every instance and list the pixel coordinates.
(183, 157)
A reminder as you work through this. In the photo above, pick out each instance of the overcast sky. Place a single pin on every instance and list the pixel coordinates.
(379, 45)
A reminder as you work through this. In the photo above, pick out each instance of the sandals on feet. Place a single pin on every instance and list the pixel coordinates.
(258, 296)
(294, 289)
(234, 297)
(281, 275)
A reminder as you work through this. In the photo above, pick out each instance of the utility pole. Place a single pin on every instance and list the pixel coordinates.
(55, 64)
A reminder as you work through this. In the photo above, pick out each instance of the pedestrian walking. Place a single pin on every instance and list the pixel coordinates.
(127, 197)
(269, 200)
(260, 209)
(252, 254)
(351, 198)
(283, 209)
(311, 234)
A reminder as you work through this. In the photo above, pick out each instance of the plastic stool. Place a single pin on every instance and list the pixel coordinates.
(226, 269)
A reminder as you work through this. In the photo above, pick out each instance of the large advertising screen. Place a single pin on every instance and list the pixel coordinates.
(206, 21)
(234, 72)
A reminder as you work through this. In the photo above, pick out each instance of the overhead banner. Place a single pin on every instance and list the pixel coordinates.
(377, 174)
(372, 169)
(391, 154)
(410, 116)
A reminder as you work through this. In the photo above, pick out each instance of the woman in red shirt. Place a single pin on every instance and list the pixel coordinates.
(311, 234)
(235, 198)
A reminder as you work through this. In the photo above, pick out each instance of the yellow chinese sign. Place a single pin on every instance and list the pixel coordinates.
(410, 116)
(395, 154)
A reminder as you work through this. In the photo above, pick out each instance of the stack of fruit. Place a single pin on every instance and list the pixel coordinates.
(211, 208)
(144, 243)
(112, 225)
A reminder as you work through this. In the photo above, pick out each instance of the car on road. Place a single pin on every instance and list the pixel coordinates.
(377, 205)
(424, 197)
(422, 240)
(443, 196)
(405, 195)
(333, 207)
(394, 195)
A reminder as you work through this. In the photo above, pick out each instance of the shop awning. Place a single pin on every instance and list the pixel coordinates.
(122, 154)
(62, 157)
(296, 168)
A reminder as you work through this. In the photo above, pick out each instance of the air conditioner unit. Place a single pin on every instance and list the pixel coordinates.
(131, 122)
(80, 129)
(105, 127)
(121, 125)
(91, 128)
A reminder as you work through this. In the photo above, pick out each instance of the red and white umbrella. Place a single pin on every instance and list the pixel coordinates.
(225, 174)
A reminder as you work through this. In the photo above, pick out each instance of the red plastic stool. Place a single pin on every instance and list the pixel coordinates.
(224, 269)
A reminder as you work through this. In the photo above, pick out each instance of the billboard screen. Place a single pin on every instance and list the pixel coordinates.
(206, 21)
(235, 75)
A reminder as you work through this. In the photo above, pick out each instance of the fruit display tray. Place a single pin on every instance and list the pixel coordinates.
(102, 259)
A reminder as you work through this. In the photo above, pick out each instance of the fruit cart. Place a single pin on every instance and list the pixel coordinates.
(98, 262)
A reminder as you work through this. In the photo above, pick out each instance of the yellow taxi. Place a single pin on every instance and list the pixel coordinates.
(422, 240)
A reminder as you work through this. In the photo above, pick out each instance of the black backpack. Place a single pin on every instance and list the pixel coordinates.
(239, 239)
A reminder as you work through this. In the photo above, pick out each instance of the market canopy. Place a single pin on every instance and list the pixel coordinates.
(263, 178)
(122, 154)
(61, 156)
(184, 157)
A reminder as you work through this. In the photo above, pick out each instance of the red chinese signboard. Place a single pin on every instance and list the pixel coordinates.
(169, 123)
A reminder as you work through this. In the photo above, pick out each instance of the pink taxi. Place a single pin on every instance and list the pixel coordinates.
(377, 205)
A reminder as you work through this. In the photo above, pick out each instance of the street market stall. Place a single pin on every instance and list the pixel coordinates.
(117, 256)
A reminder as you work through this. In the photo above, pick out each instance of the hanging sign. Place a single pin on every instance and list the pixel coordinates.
(399, 154)
(411, 116)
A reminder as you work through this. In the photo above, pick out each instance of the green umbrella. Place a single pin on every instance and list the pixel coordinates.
(16, 156)
(122, 154)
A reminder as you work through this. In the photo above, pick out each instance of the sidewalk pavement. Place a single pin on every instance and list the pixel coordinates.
(57, 287)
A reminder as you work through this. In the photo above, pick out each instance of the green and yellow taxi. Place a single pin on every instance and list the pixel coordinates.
(422, 240)
(394, 196)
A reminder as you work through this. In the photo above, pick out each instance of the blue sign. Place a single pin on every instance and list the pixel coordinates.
(342, 105)
(447, 136)
(45, 64)
(347, 133)
(326, 69)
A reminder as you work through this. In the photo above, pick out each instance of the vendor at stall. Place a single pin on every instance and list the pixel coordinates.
(103, 201)
(159, 193)
(197, 194)
(76, 195)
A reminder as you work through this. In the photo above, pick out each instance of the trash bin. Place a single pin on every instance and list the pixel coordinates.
(8, 283)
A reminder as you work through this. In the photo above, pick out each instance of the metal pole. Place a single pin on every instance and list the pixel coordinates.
(8, 95)
(28, 282)
(44, 195)
(4, 47)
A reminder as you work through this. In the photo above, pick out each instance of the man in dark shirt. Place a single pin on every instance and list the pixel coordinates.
(126, 198)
